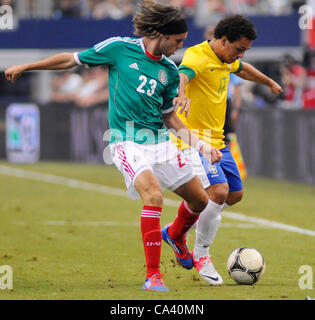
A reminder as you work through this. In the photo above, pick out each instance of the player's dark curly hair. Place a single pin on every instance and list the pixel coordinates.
(150, 16)
(234, 28)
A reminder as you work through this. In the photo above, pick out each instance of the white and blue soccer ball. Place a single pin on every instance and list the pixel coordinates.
(246, 265)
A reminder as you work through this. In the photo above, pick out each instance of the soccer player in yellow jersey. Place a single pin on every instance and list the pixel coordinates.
(204, 74)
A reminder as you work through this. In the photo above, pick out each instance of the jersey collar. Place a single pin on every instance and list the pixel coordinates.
(148, 54)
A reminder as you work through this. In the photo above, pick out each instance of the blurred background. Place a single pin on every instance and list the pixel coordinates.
(62, 116)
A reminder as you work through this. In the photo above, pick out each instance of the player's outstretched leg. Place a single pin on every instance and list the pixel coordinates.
(195, 200)
(182, 254)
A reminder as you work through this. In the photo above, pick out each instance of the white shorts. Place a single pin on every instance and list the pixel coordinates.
(192, 155)
(166, 162)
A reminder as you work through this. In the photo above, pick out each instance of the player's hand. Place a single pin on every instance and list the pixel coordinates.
(183, 103)
(13, 73)
(212, 154)
(275, 88)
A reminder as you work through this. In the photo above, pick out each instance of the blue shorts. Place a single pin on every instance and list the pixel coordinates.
(226, 171)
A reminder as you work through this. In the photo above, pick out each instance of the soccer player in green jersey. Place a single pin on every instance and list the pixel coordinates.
(142, 85)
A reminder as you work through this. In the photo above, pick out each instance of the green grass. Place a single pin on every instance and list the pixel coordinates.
(80, 261)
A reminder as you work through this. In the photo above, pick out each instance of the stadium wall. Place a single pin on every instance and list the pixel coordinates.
(67, 133)
(278, 144)
(273, 31)
(35, 39)
(275, 143)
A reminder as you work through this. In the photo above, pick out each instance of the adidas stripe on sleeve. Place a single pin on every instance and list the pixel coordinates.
(105, 52)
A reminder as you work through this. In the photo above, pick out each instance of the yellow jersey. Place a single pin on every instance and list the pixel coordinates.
(207, 89)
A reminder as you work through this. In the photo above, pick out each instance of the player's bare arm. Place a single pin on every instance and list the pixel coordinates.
(181, 100)
(172, 121)
(250, 73)
(60, 61)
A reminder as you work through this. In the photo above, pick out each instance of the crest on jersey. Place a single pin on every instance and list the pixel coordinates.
(163, 77)
(213, 169)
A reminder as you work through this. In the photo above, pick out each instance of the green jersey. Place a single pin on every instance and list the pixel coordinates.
(141, 88)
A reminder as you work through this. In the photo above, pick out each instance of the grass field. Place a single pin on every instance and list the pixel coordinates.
(66, 242)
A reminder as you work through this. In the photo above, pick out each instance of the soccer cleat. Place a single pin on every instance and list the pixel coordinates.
(182, 254)
(155, 283)
(207, 271)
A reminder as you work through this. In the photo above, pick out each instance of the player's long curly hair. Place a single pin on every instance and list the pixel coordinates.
(151, 15)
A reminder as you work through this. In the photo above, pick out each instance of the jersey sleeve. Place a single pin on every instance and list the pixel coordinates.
(105, 52)
(236, 66)
(192, 64)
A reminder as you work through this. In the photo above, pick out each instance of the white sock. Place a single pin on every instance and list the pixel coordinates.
(206, 228)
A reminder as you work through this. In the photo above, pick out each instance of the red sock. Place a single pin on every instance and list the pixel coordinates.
(183, 222)
(152, 238)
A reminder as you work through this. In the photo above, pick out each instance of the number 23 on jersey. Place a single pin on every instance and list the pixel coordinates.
(143, 88)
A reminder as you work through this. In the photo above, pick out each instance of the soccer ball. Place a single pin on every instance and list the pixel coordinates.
(246, 265)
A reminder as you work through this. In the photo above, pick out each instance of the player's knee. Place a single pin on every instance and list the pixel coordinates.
(234, 197)
(239, 196)
(199, 204)
(219, 193)
(154, 198)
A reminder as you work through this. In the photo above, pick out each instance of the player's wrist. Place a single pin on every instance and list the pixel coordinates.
(22, 68)
(199, 145)
(181, 95)
(269, 82)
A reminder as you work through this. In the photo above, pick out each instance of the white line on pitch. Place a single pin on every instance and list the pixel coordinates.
(78, 184)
